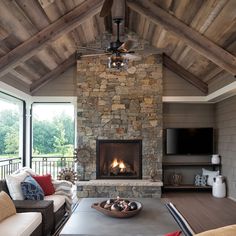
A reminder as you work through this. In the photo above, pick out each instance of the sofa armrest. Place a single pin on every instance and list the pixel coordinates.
(45, 207)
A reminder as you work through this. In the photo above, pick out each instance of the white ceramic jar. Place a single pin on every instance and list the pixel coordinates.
(219, 188)
(215, 159)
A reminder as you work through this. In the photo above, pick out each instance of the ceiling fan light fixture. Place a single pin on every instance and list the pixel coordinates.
(117, 62)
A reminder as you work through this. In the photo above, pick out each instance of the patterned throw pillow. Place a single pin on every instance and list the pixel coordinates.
(200, 180)
(31, 189)
(210, 175)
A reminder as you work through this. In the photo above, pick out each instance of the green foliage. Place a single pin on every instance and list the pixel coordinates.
(43, 136)
(56, 136)
(12, 141)
(9, 132)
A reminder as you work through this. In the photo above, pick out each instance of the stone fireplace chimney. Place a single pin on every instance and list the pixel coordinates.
(121, 105)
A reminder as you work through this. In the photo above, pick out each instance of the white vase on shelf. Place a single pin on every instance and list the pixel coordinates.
(215, 159)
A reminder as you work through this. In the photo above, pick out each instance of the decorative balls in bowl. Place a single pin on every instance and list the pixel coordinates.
(119, 208)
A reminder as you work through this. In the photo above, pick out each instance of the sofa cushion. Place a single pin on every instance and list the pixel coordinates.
(31, 189)
(45, 181)
(21, 224)
(7, 207)
(58, 201)
(13, 184)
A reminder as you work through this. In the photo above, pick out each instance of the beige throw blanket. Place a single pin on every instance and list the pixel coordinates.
(63, 187)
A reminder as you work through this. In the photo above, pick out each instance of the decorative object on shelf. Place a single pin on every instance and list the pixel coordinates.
(210, 175)
(200, 180)
(67, 174)
(219, 188)
(215, 159)
(154, 176)
(118, 208)
(83, 157)
(176, 179)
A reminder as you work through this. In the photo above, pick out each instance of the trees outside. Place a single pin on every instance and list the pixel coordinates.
(9, 133)
(54, 137)
(50, 137)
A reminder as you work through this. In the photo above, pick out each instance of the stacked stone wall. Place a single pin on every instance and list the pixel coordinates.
(121, 105)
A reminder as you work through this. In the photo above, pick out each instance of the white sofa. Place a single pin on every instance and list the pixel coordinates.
(22, 224)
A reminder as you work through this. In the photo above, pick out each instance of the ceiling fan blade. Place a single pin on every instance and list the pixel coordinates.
(131, 57)
(90, 49)
(94, 55)
(106, 8)
(126, 46)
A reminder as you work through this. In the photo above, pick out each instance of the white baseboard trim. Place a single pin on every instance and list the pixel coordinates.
(232, 198)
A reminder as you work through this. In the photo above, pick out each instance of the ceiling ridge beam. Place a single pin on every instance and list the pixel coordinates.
(63, 25)
(183, 73)
(70, 61)
(191, 37)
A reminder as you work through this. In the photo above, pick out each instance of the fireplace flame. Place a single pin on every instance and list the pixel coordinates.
(120, 164)
(114, 163)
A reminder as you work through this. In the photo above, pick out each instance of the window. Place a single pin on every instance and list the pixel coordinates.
(11, 134)
(53, 129)
(11, 127)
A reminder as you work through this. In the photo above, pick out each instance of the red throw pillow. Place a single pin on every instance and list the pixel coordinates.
(177, 233)
(45, 182)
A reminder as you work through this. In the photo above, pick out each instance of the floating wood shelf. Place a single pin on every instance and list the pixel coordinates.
(189, 164)
(184, 165)
(173, 187)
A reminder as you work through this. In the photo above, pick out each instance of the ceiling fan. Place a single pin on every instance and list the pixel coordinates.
(119, 52)
(115, 47)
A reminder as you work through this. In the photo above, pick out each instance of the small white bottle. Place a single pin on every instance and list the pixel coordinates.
(215, 159)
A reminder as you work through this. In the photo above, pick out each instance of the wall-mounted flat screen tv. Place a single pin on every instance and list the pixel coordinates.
(188, 141)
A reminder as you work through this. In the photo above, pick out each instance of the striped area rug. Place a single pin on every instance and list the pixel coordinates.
(183, 224)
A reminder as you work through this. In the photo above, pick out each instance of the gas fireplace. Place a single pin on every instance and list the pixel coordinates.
(119, 159)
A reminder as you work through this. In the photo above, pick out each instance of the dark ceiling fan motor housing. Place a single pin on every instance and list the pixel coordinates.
(114, 46)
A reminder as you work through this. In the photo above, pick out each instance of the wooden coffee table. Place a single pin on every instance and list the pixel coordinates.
(153, 220)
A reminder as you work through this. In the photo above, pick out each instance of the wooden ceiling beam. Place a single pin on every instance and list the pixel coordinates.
(62, 26)
(186, 75)
(53, 74)
(21, 77)
(195, 40)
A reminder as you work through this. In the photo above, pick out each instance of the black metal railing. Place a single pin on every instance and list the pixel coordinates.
(51, 165)
(8, 166)
(40, 165)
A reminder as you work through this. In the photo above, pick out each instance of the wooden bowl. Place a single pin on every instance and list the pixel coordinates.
(117, 214)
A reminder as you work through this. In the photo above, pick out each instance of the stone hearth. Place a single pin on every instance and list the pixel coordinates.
(121, 188)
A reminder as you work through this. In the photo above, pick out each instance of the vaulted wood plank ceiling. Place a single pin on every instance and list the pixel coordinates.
(38, 38)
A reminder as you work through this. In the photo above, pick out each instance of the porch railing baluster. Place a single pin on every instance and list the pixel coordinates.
(51, 165)
(8, 166)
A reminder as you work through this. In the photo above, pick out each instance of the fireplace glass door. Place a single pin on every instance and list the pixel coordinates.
(119, 159)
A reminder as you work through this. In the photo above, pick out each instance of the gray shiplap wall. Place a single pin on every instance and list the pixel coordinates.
(174, 85)
(226, 138)
(188, 115)
(64, 85)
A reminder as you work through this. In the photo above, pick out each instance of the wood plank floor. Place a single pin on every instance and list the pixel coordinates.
(202, 211)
